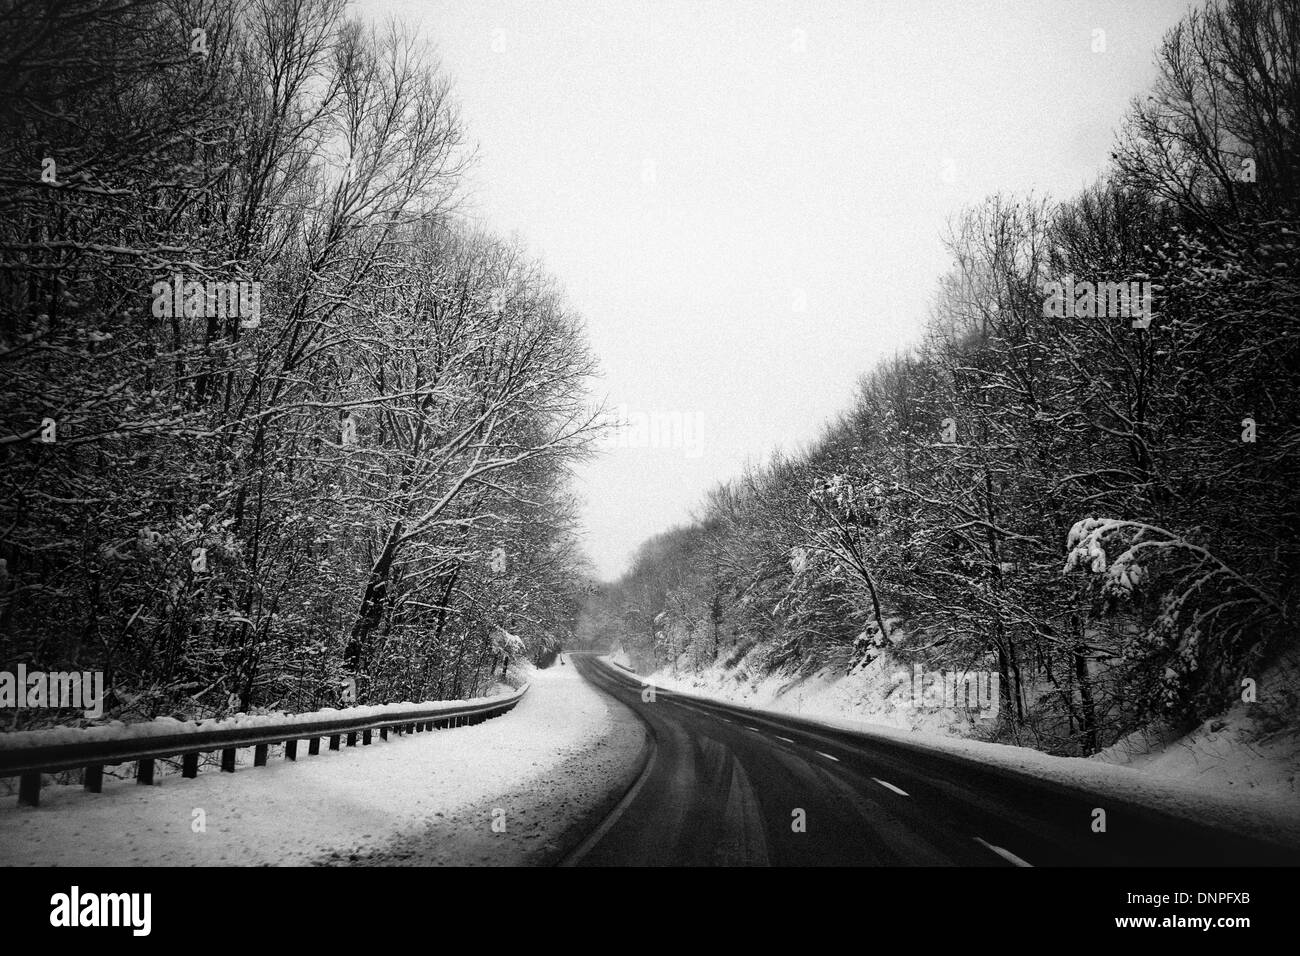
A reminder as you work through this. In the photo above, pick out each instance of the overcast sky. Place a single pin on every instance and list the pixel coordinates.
(745, 200)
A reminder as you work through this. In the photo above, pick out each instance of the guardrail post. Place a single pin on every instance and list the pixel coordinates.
(228, 760)
(352, 738)
(334, 741)
(383, 733)
(365, 736)
(291, 750)
(93, 781)
(190, 765)
(29, 790)
(313, 748)
(259, 755)
(144, 771)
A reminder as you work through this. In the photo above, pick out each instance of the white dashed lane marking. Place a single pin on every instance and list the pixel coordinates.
(1005, 854)
(889, 786)
(828, 756)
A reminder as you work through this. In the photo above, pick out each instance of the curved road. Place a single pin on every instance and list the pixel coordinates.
(724, 786)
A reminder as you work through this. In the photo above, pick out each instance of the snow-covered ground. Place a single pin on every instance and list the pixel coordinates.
(1253, 746)
(878, 691)
(429, 798)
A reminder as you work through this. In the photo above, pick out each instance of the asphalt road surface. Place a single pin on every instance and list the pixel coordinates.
(726, 787)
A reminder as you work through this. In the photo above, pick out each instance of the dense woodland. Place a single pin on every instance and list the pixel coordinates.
(356, 479)
(1103, 513)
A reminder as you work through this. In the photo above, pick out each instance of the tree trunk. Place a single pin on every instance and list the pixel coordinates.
(1088, 712)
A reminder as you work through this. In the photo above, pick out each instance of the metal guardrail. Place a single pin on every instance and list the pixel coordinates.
(29, 763)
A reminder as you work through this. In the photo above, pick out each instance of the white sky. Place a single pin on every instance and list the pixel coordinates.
(694, 173)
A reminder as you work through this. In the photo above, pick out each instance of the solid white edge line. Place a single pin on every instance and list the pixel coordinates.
(889, 786)
(574, 856)
(1005, 854)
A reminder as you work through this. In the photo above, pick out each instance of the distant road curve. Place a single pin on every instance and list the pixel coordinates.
(724, 786)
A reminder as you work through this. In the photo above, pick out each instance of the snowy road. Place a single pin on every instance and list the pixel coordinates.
(728, 786)
(543, 774)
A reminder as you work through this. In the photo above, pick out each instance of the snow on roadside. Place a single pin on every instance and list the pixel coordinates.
(1253, 746)
(356, 800)
(877, 691)
(1272, 816)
